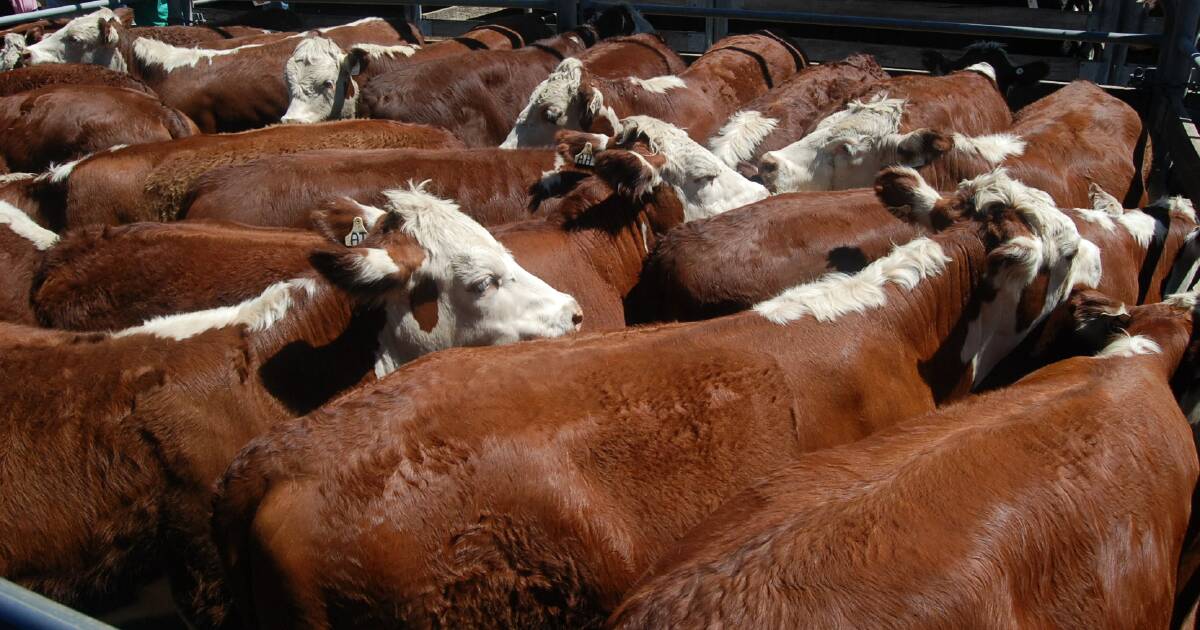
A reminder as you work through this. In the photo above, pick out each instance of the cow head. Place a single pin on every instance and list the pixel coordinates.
(653, 154)
(466, 291)
(1035, 255)
(1007, 74)
(320, 78)
(565, 99)
(92, 38)
(12, 52)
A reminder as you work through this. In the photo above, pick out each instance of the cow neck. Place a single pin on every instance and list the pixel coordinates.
(324, 345)
(132, 65)
(929, 322)
(618, 250)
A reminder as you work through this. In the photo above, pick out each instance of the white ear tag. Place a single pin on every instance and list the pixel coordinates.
(358, 233)
(586, 157)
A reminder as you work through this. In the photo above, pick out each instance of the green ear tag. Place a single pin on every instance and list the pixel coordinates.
(586, 157)
(358, 233)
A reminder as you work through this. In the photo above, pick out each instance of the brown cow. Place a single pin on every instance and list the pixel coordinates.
(539, 498)
(59, 123)
(789, 112)
(23, 244)
(729, 262)
(734, 71)
(321, 75)
(150, 182)
(34, 77)
(199, 36)
(894, 124)
(479, 101)
(1059, 502)
(109, 278)
(1077, 136)
(108, 473)
(492, 185)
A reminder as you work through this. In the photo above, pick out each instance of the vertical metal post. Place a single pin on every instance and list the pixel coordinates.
(1170, 83)
(568, 17)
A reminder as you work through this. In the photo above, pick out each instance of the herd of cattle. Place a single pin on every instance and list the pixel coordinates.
(799, 345)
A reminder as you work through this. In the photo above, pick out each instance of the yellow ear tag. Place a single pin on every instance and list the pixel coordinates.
(586, 157)
(358, 233)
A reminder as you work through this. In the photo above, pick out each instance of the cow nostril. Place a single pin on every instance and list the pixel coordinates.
(577, 317)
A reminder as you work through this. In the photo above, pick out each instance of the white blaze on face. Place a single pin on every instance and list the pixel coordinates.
(846, 150)
(82, 41)
(554, 104)
(1054, 250)
(314, 81)
(480, 293)
(10, 54)
(705, 185)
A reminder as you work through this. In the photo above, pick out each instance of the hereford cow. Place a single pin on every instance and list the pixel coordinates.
(222, 90)
(150, 182)
(737, 69)
(479, 101)
(1077, 136)
(538, 501)
(321, 77)
(64, 122)
(493, 185)
(790, 111)
(34, 77)
(1008, 74)
(108, 473)
(1059, 502)
(894, 124)
(199, 36)
(23, 244)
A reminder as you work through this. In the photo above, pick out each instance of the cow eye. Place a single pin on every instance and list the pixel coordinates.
(328, 85)
(483, 284)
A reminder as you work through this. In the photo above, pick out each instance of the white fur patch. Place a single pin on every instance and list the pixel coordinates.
(993, 149)
(1129, 346)
(983, 68)
(59, 173)
(1185, 300)
(659, 85)
(1140, 225)
(26, 228)
(838, 294)
(704, 184)
(11, 51)
(374, 265)
(376, 51)
(257, 314)
(9, 178)
(366, 20)
(151, 52)
(740, 136)
(1182, 206)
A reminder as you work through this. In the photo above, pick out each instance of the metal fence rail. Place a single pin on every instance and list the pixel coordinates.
(20, 608)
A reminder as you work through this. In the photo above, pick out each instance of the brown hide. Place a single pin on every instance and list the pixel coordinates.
(109, 278)
(19, 259)
(1074, 137)
(43, 75)
(730, 262)
(150, 182)
(61, 123)
(479, 101)
(493, 186)
(1042, 505)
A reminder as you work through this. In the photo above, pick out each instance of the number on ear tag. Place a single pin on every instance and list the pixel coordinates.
(358, 233)
(586, 157)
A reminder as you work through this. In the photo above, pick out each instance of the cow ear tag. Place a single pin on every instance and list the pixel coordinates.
(586, 157)
(358, 233)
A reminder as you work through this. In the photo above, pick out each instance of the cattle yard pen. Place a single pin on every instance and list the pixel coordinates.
(1168, 109)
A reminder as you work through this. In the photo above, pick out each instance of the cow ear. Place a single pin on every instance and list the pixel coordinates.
(108, 32)
(34, 35)
(335, 220)
(934, 62)
(1096, 317)
(906, 194)
(356, 61)
(922, 146)
(631, 174)
(1031, 72)
(369, 273)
